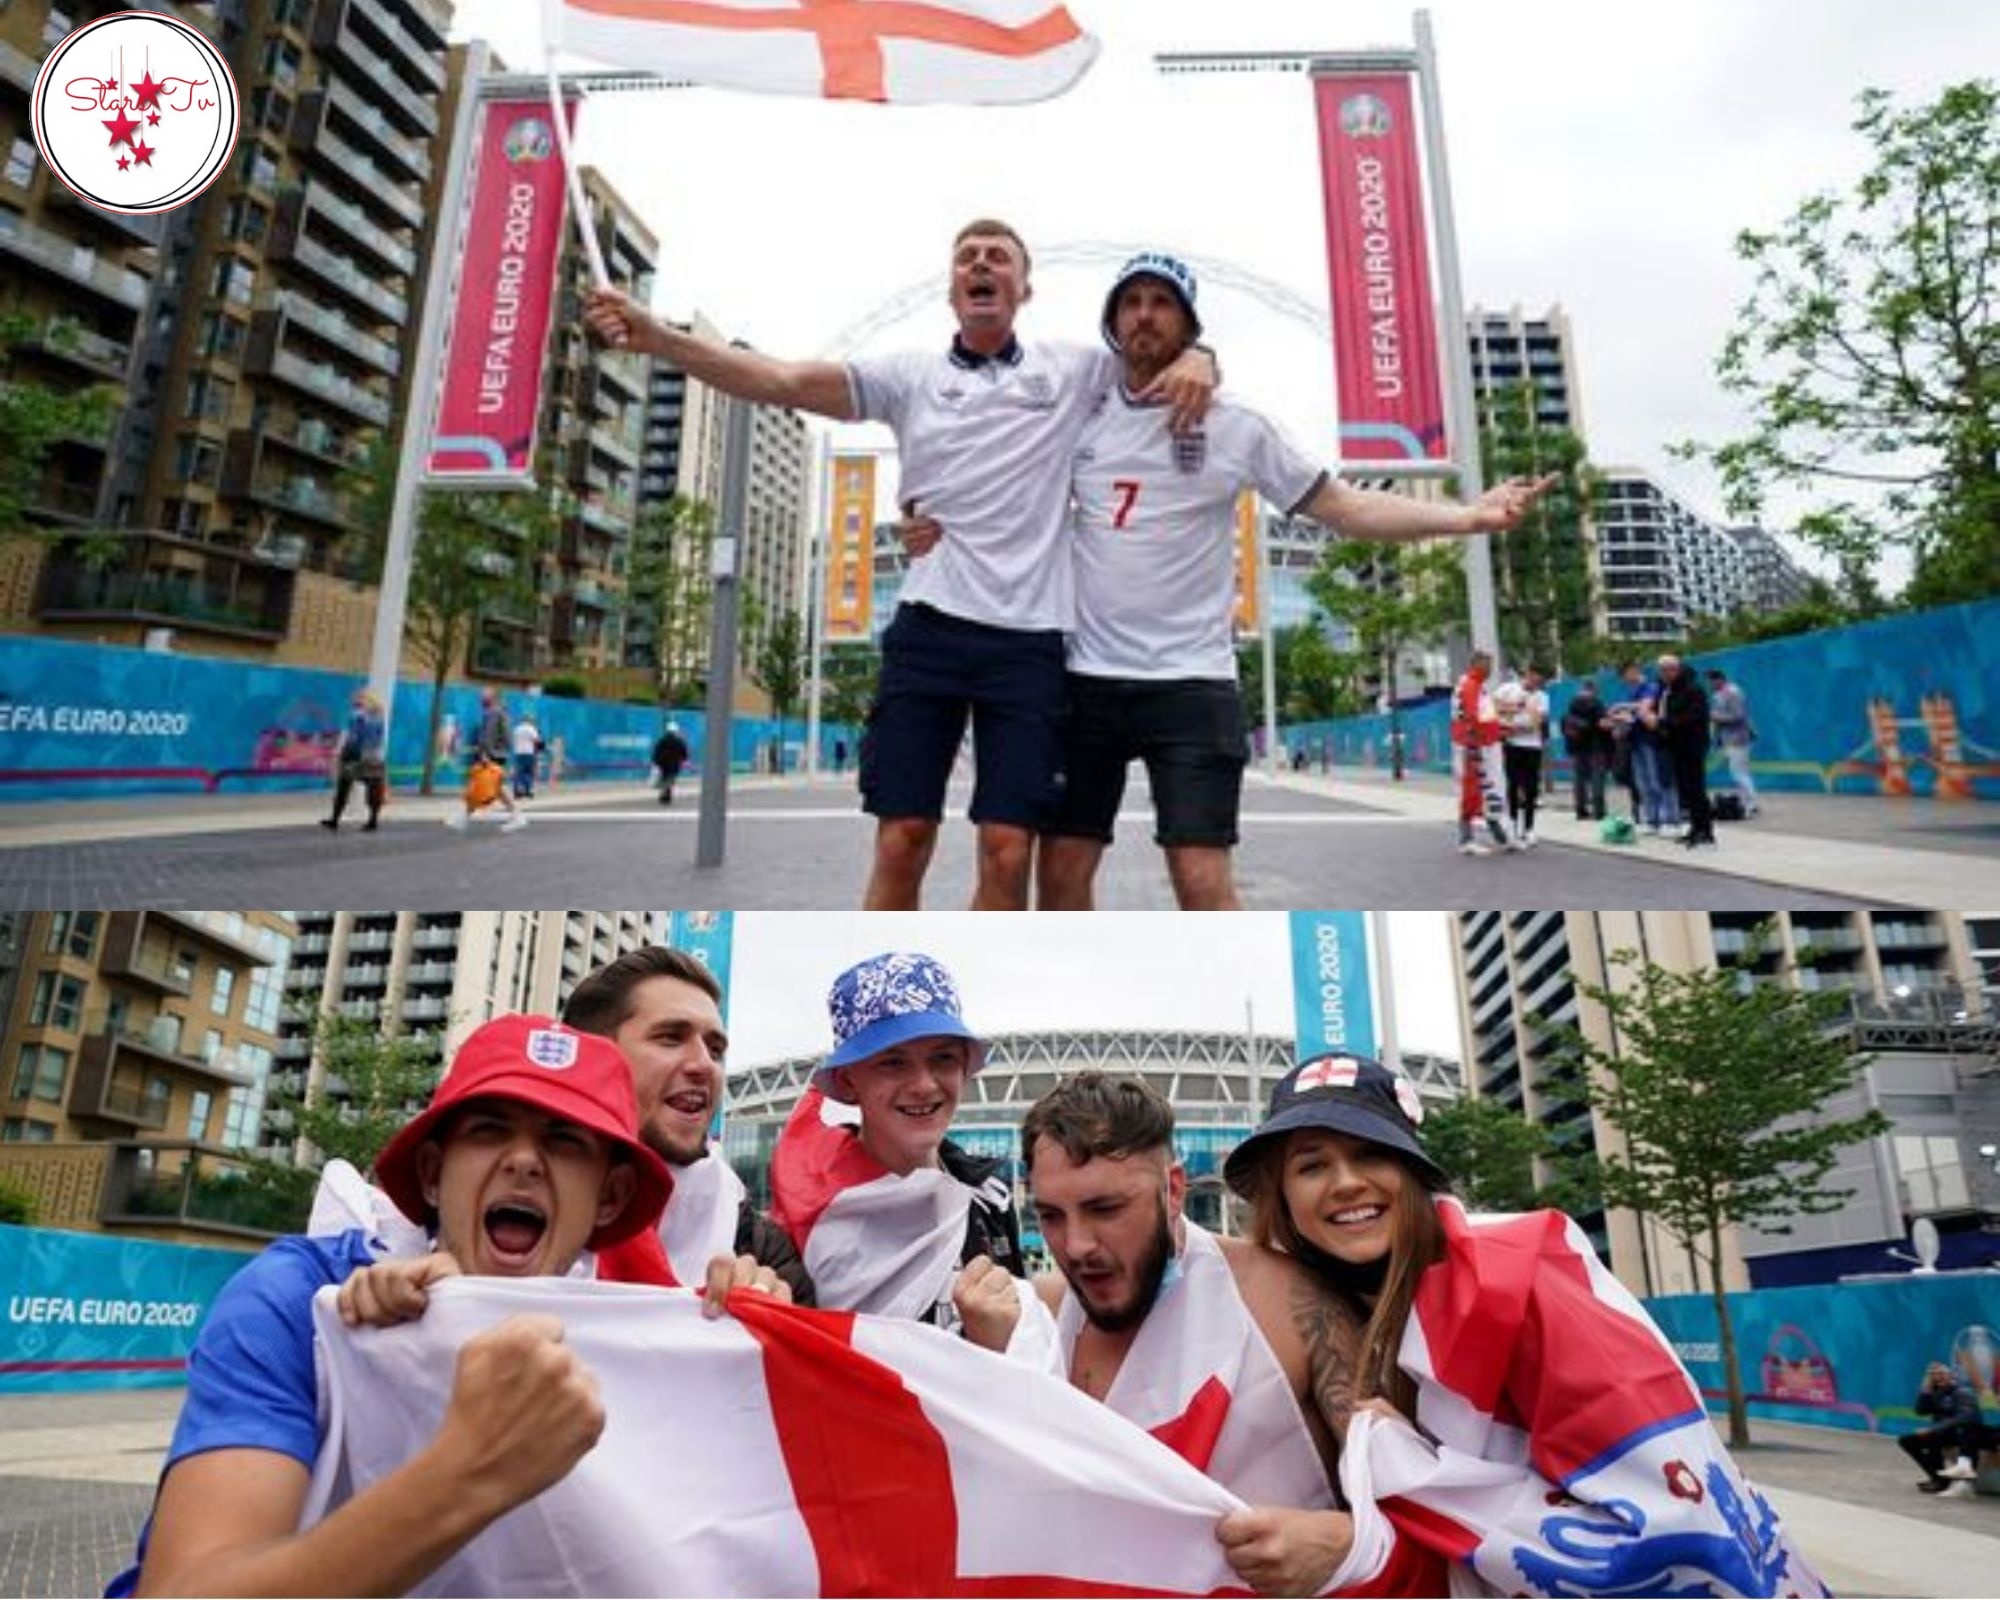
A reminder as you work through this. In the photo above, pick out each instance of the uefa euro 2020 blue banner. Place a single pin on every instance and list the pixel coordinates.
(1845, 1355)
(1332, 994)
(706, 935)
(86, 1311)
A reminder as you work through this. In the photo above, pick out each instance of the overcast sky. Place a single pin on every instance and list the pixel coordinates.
(1161, 969)
(1603, 155)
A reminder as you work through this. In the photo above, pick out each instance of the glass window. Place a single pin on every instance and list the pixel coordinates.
(21, 163)
(83, 934)
(223, 992)
(40, 1072)
(198, 1110)
(26, 1130)
(58, 1002)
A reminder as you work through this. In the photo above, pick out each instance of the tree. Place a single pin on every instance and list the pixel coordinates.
(1541, 569)
(1395, 597)
(670, 588)
(1492, 1153)
(1718, 1084)
(372, 1083)
(476, 555)
(34, 418)
(780, 669)
(1867, 351)
(848, 675)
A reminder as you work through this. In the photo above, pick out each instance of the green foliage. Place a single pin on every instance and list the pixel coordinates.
(1718, 1087)
(848, 675)
(564, 686)
(373, 1084)
(1500, 1161)
(17, 1206)
(1395, 597)
(1541, 570)
(1867, 353)
(34, 416)
(779, 668)
(668, 584)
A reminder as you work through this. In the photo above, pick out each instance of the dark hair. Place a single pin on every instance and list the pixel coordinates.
(1092, 1114)
(1416, 1243)
(602, 1002)
(991, 227)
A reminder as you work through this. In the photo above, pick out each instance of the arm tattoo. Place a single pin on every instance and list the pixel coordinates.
(1332, 1336)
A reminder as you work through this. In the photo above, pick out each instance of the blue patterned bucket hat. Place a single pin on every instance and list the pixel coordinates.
(889, 1000)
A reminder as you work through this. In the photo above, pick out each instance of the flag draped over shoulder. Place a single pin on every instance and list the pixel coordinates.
(909, 51)
(1573, 1454)
(782, 1451)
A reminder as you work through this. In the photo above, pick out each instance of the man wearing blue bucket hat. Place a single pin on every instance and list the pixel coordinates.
(1152, 663)
(891, 1216)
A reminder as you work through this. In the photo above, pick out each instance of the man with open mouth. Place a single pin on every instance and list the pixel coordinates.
(528, 1156)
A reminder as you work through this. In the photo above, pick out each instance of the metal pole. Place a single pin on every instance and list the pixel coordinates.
(1271, 762)
(420, 420)
(710, 837)
(1384, 969)
(815, 596)
(1462, 414)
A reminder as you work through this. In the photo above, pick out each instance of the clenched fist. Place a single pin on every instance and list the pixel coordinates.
(987, 1303)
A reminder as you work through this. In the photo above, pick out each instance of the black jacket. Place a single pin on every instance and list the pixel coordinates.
(1684, 714)
(1957, 1406)
(670, 753)
(991, 1228)
(757, 1235)
(1583, 726)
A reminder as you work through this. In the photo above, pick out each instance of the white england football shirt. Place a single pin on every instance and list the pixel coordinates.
(986, 450)
(1155, 560)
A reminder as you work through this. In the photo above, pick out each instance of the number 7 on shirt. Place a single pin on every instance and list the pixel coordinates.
(1127, 490)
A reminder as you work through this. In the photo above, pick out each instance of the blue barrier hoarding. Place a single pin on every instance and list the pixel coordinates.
(1844, 1355)
(87, 1311)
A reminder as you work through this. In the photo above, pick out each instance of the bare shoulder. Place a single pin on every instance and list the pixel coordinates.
(1312, 1331)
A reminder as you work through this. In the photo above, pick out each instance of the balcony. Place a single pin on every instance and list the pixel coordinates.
(425, 1010)
(243, 478)
(367, 942)
(344, 163)
(409, 156)
(436, 938)
(69, 260)
(166, 581)
(67, 340)
(156, 1046)
(222, 931)
(297, 203)
(362, 976)
(380, 34)
(144, 231)
(289, 243)
(319, 379)
(129, 957)
(17, 68)
(332, 328)
(506, 653)
(96, 1095)
(182, 1185)
(593, 595)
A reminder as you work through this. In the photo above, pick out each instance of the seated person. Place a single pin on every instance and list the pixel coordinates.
(528, 1155)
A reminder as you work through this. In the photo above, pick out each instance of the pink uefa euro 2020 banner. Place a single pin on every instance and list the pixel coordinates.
(492, 388)
(1385, 350)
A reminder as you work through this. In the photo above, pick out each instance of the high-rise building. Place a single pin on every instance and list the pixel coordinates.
(1509, 348)
(1664, 565)
(436, 975)
(136, 1049)
(1925, 988)
(275, 351)
(1775, 582)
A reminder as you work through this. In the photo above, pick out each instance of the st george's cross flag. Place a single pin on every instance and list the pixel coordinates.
(781, 1451)
(975, 52)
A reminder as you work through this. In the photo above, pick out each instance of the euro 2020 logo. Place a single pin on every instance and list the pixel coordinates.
(1363, 116)
(136, 112)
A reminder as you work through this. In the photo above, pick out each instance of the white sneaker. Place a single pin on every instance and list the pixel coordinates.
(515, 823)
(1472, 847)
(456, 821)
(1528, 839)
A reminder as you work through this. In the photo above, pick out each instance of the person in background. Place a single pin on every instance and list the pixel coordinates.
(360, 760)
(1524, 718)
(527, 751)
(1729, 716)
(670, 754)
(1955, 1428)
(1586, 729)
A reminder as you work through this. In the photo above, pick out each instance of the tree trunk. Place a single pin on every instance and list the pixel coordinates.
(437, 719)
(1739, 1409)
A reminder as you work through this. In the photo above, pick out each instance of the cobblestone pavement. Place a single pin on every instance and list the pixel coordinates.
(795, 847)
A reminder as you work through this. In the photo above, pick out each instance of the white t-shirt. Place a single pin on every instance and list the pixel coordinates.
(986, 450)
(1525, 717)
(526, 739)
(1155, 560)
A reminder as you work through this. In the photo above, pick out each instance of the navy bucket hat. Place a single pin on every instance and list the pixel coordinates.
(889, 1000)
(1345, 1094)
(1175, 273)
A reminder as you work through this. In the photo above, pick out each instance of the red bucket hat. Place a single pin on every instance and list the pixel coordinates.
(538, 1062)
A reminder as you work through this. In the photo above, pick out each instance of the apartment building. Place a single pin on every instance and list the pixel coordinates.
(136, 1049)
(1925, 995)
(1664, 565)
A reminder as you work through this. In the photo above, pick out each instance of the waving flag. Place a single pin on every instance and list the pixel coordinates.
(783, 1452)
(980, 52)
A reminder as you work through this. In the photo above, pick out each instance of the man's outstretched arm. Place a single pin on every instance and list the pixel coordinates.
(1394, 518)
(816, 386)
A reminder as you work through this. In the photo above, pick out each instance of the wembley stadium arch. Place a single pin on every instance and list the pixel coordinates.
(1217, 1083)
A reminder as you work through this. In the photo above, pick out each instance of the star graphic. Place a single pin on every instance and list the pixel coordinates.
(121, 127)
(149, 90)
(124, 162)
(110, 83)
(153, 117)
(143, 154)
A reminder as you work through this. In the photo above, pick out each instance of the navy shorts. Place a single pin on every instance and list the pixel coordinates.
(1192, 736)
(938, 670)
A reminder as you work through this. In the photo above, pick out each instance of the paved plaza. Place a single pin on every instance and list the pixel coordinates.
(77, 1472)
(1309, 841)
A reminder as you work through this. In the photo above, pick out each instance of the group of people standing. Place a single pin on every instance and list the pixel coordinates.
(1368, 1371)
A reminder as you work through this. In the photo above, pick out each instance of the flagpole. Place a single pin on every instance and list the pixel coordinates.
(578, 200)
